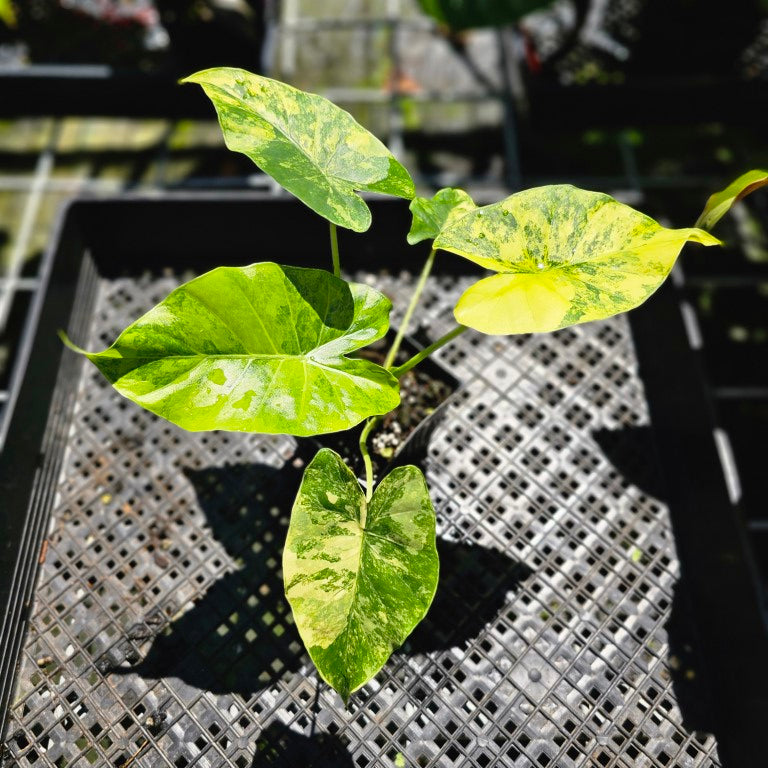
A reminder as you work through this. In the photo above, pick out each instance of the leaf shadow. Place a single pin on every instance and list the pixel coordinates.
(632, 451)
(278, 745)
(239, 636)
(330, 299)
(472, 589)
(691, 680)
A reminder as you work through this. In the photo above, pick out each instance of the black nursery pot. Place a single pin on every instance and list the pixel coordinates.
(401, 437)
(562, 633)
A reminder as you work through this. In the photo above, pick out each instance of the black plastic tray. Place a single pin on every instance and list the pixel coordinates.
(51, 90)
(713, 604)
(175, 229)
(716, 563)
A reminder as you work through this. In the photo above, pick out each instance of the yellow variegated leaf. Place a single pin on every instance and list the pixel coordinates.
(563, 256)
(359, 575)
(261, 348)
(313, 148)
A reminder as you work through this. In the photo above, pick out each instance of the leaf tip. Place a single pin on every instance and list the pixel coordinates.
(193, 78)
(201, 75)
(69, 343)
(703, 237)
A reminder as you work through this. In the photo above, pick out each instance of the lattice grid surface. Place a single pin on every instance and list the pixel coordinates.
(160, 635)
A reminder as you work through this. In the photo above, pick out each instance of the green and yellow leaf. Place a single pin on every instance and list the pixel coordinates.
(359, 576)
(314, 149)
(721, 202)
(562, 256)
(431, 216)
(256, 349)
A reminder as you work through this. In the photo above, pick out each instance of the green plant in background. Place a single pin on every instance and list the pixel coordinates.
(267, 348)
(467, 14)
(8, 13)
(721, 202)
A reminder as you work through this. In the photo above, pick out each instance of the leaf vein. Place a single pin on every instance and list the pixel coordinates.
(258, 317)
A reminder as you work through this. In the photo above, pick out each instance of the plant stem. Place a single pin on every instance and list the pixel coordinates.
(335, 251)
(367, 429)
(416, 359)
(372, 422)
(417, 291)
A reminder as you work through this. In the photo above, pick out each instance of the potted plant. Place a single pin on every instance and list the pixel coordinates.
(272, 348)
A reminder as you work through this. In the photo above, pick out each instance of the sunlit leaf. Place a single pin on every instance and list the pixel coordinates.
(256, 349)
(314, 149)
(721, 202)
(431, 216)
(563, 256)
(359, 575)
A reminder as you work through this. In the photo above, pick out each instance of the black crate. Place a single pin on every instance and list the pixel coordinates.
(585, 613)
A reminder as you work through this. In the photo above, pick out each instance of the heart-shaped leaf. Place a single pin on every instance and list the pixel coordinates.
(256, 349)
(314, 149)
(430, 217)
(359, 575)
(721, 202)
(563, 255)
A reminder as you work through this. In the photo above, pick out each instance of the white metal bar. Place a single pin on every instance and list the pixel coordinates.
(58, 70)
(65, 185)
(313, 25)
(22, 284)
(691, 323)
(289, 25)
(728, 462)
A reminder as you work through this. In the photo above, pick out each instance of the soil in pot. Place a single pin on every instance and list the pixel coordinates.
(401, 436)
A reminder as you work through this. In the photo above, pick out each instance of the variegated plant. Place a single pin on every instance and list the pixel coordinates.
(266, 348)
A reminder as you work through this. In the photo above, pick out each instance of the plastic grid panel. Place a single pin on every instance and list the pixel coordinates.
(160, 630)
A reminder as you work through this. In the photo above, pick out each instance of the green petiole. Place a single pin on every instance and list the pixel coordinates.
(411, 308)
(335, 251)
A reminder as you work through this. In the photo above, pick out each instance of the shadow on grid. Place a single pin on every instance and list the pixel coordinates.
(632, 451)
(239, 637)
